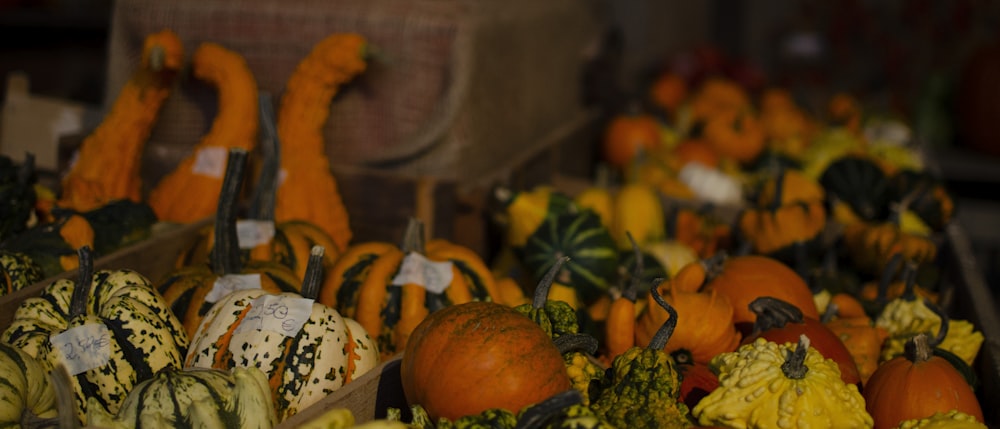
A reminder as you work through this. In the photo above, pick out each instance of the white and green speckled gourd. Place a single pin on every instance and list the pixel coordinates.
(307, 349)
(109, 328)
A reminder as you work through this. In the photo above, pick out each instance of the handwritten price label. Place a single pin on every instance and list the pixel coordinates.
(210, 161)
(417, 269)
(230, 283)
(84, 347)
(282, 314)
(253, 233)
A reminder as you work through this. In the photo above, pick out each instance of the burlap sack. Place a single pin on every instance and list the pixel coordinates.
(459, 86)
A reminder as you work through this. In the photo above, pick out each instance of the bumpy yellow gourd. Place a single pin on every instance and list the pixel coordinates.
(755, 391)
(950, 420)
(904, 318)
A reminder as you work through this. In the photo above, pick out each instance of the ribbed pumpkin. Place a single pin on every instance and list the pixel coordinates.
(27, 397)
(191, 191)
(112, 312)
(17, 271)
(467, 358)
(309, 191)
(107, 167)
(367, 285)
(579, 234)
(307, 349)
(190, 291)
(916, 385)
(789, 217)
(194, 398)
(860, 183)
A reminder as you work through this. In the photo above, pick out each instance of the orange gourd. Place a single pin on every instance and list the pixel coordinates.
(107, 167)
(704, 323)
(191, 191)
(468, 358)
(627, 135)
(917, 384)
(309, 191)
(739, 136)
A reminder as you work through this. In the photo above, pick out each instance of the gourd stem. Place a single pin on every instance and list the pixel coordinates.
(542, 290)
(81, 291)
(779, 188)
(794, 366)
(918, 349)
(773, 313)
(313, 278)
(663, 334)
(226, 252)
(831, 312)
(30, 421)
(715, 265)
(887, 274)
(945, 322)
(631, 292)
(539, 414)
(264, 199)
(576, 342)
(910, 281)
(157, 58)
(413, 236)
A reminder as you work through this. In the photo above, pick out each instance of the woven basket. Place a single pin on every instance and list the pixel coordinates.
(458, 85)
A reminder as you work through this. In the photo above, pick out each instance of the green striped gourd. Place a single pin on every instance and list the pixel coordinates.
(304, 361)
(17, 271)
(593, 254)
(194, 398)
(133, 326)
(26, 397)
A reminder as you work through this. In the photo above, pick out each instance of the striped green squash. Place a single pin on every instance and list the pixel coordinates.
(17, 271)
(26, 397)
(194, 398)
(304, 362)
(593, 262)
(142, 335)
(859, 182)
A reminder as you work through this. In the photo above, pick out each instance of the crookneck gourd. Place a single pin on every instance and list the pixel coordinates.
(193, 398)
(307, 349)
(191, 291)
(390, 289)
(191, 191)
(309, 190)
(109, 328)
(107, 167)
(767, 384)
(642, 387)
(28, 399)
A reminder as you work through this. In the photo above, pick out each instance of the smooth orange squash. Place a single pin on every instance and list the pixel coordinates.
(471, 357)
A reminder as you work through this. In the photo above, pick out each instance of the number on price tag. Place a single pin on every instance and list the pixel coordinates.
(210, 161)
(282, 314)
(253, 233)
(84, 347)
(418, 270)
(230, 283)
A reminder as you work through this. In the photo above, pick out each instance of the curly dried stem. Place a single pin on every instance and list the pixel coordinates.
(663, 334)
(773, 313)
(539, 414)
(584, 343)
(542, 290)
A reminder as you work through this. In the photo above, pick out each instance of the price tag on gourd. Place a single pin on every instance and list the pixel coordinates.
(282, 314)
(83, 347)
(417, 269)
(210, 161)
(252, 233)
(229, 283)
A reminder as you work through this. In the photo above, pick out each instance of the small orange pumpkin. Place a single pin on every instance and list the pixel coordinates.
(739, 136)
(626, 135)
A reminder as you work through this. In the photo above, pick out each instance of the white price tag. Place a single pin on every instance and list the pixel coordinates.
(84, 347)
(282, 314)
(253, 233)
(210, 161)
(417, 269)
(230, 283)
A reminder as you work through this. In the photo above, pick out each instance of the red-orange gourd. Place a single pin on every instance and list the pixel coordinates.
(471, 357)
(628, 134)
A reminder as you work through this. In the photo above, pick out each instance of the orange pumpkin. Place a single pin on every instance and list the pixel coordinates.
(736, 135)
(467, 358)
(626, 135)
(745, 278)
(917, 384)
(668, 92)
(704, 326)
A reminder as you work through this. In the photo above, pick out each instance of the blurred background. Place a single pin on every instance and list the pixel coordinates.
(934, 63)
